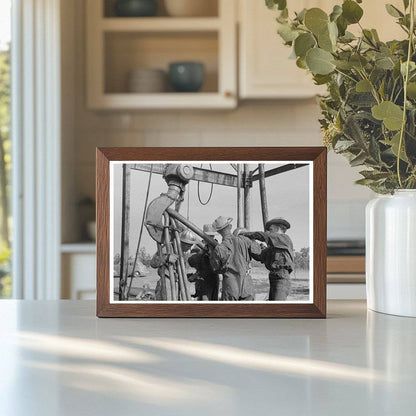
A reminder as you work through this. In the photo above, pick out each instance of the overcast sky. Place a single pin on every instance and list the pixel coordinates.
(287, 194)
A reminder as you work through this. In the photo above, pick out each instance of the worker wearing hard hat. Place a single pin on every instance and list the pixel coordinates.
(278, 256)
(232, 259)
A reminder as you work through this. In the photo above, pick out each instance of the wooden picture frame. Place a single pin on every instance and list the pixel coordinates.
(315, 308)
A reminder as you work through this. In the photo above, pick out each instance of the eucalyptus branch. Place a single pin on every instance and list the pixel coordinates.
(406, 80)
(373, 89)
(345, 75)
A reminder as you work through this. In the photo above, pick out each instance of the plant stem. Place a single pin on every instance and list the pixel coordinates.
(345, 75)
(406, 80)
(373, 89)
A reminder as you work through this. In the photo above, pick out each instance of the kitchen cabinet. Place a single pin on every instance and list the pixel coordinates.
(116, 46)
(265, 70)
(78, 271)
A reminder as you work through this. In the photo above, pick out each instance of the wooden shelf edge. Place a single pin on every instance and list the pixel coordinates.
(162, 101)
(159, 24)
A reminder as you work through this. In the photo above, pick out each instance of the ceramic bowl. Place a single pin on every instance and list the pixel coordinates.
(186, 76)
(135, 8)
(147, 80)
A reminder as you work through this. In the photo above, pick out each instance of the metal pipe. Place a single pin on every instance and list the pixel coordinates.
(246, 196)
(125, 226)
(162, 278)
(181, 280)
(263, 194)
(169, 251)
(181, 258)
(191, 226)
(238, 195)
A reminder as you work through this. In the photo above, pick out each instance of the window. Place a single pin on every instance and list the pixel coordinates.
(5, 145)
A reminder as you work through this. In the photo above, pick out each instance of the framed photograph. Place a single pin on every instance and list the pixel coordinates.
(211, 232)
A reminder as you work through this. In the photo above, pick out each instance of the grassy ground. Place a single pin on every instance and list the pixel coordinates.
(260, 276)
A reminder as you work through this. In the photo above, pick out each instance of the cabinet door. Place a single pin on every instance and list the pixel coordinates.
(265, 68)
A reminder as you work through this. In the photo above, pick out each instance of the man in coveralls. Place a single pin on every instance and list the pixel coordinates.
(278, 256)
(206, 279)
(232, 259)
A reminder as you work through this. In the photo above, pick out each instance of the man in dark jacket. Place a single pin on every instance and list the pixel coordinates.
(278, 256)
(206, 279)
(232, 258)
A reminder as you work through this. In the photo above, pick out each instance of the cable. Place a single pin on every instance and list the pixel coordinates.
(141, 232)
(210, 193)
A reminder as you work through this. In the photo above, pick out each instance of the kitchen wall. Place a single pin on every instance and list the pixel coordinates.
(255, 123)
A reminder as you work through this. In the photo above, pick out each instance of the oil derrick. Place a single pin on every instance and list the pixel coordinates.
(162, 218)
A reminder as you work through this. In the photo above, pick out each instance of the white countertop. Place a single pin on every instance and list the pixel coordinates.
(56, 358)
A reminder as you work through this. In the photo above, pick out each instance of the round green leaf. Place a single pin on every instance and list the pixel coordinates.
(327, 40)
(411, 90)
(316, 20)
(324, 42)
(363, 86)
(385, 62)
(319, 61)
(301, 63)
(303, 43)
(276, 4)
(336, 12)
(286, 32)
(351, 11)
(391, 114)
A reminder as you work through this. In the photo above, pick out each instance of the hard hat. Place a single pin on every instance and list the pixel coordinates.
(188, 237)
(221, 222)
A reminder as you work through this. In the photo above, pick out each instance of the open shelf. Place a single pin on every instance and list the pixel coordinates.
(116, 46)
(127, 51)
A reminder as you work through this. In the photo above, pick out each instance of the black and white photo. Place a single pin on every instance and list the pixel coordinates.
(211, 231)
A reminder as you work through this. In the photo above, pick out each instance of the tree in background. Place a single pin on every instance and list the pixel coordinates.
(302, 258)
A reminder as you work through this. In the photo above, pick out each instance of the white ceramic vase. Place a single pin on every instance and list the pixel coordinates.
(391, 253)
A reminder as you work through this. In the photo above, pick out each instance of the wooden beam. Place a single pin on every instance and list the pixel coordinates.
(263, 194)
(200, 174)
(280, 169)
(239, 216)
(125, 227)
(247, 186)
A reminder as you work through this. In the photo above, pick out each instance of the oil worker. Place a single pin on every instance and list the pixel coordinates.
(188, 239)
(255, 249)
(232, 259)
(206, 279)
(278, 256)
(161, 261)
